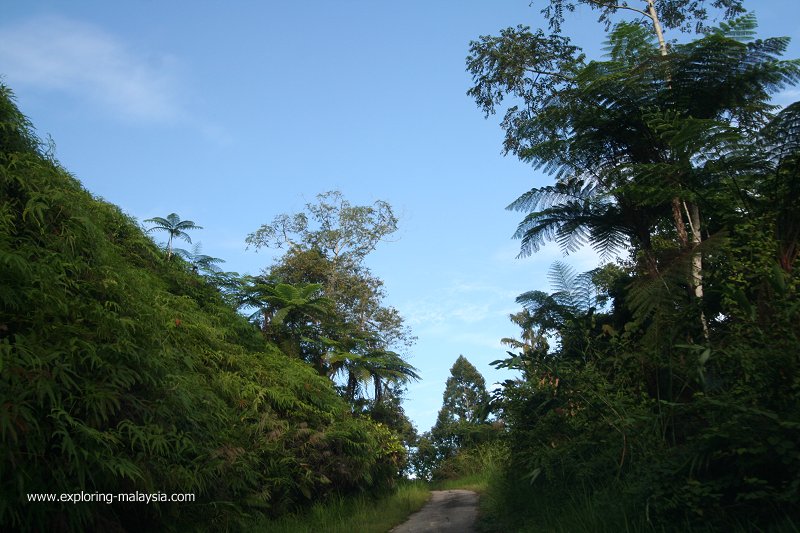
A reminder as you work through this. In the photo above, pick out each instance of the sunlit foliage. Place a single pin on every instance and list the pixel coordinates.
(123, 372)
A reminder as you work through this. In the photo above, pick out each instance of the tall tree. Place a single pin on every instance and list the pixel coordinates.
(293, 316)
(175, 227)
(327, 244)
(680, 159)
(465, 406)
(631, 140)
(362, 365)
(543, 67)
(332, 225)
(779, 186)
(684, 15)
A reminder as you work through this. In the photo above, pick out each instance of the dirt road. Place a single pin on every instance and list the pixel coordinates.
(449, 511)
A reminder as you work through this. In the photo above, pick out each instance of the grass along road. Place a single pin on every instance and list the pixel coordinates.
(354, 514)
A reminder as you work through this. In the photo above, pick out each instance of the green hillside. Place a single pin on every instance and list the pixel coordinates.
(122, 372)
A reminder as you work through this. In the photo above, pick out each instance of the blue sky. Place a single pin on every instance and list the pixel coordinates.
(231, 113)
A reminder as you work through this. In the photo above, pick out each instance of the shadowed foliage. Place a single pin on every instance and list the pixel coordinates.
(659, 393)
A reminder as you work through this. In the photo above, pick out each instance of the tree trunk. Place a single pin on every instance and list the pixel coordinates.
(693, 211)
(680, 225)
(265, 327)
(378, 390)
(697, 262)
(662, 44)
(352, 384)
(677, 216)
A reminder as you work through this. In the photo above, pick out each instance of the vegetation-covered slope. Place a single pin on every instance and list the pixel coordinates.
(122, 372)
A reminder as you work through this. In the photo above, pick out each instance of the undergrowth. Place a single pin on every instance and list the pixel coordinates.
(510, 504)
(360, 514)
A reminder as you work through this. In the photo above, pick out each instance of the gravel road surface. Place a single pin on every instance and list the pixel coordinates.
(448, 511)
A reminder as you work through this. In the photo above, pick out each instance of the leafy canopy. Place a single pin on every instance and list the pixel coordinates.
(340, 230)
(685, 15)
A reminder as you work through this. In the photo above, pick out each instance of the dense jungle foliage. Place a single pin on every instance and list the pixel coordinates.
(123, 370)
(660, 391)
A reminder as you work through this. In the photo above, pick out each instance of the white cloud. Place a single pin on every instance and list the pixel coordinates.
(506, 256)
(472, 303)
(464, 303)
(59, 54)
(423, 313)
(471, 313)
(469, 287)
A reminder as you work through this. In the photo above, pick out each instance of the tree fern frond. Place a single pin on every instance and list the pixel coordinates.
(608, 235)
(585, 291)
(782, 135)
(570, 223)
(544, 197)
(573, 234)
(575, 291)
(532, 299)
(562, 277)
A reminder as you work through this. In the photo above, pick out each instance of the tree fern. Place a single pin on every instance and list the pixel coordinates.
(175, 227)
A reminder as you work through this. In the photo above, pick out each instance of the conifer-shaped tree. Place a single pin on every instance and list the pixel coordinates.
(465, 407)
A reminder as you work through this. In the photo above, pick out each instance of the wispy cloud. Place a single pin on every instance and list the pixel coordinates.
(460, 307)
(59, 54)
(460, 302)
(472, 313)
